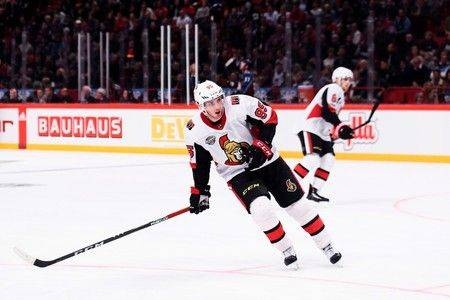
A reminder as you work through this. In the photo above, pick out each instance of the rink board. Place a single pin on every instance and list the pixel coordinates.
(396, 133)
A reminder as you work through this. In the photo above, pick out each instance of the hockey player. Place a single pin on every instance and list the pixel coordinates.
(247, 77)
(321, 127)
(236, 133)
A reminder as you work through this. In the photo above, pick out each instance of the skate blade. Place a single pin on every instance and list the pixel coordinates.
(293, 267)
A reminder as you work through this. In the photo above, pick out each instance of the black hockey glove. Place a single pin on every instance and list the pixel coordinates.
(345, 132)
(259, 153)
(199, 200)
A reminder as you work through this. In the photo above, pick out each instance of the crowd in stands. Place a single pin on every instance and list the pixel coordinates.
(412, 45)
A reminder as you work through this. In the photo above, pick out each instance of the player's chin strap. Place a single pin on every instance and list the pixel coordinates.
(374, 108)
(44, 263)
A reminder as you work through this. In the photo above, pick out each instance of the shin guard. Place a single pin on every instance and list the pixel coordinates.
(308, 218)
(263, 215)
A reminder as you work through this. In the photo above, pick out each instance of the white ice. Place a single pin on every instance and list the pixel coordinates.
(391, 221)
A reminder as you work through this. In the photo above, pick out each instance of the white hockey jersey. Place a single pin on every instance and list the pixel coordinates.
(314, 121)
(224, 139)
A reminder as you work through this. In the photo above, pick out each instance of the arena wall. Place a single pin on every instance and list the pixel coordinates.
(418, 133)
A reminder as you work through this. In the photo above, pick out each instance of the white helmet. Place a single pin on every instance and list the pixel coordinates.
(207, 91)
(341, 72)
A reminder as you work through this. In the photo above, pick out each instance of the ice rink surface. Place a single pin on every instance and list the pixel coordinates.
(391, 221)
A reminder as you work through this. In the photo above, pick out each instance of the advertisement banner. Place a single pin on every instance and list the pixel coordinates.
(9, 127)
(414, 133)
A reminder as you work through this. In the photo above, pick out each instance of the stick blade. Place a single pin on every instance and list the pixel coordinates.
(28, 258)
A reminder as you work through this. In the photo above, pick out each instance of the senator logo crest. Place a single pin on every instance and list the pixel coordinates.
(233, 150)
(290, 186)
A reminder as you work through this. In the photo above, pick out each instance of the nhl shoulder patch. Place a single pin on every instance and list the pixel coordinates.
(210, 140)
(234, 100)
(190, 124)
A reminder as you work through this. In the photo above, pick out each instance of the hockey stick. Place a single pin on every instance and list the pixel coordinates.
(45, 263)
(374, 108)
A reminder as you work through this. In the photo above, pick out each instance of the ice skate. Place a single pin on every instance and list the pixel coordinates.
(314, 196)
(290, 259)
(332, 254)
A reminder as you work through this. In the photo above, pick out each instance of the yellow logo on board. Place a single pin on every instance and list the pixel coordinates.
(168, 128)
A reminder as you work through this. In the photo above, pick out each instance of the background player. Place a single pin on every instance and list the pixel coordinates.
(236, 133)
(247, 78)
(321, 127)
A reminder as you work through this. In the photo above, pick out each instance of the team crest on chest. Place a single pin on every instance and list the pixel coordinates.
(291, 187)
(233, 150)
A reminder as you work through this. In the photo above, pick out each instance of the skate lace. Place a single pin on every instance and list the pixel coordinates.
(329, 251)
(289, 252)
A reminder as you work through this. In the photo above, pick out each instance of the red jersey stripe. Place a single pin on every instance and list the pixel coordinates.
(275, 234)
(314, 226)
(322, 174)
(316, 112)
(273, 118)
(301, 170)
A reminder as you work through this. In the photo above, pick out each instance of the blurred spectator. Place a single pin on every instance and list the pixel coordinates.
(126, 97)
(253, 29)
(402, 23)
(383, 76)
(85, 93)
(278, 75)
(435, 76)
(5, 70)
(202, 15)
(182, 19)
(445, 88)
(271, 15)
(342, 58)
(429, 94)
(60, 78)
(37, 96)
(404, 45)
(192, 79)
(328, 62)
(247, 78)
(179, 94)
(325, 77)
(392, 57)
(355, 34)
(49, 96)
(361, 77)
(274, 94)
(99, 96)
(428, 45)
(64, 96)
(419, 72)
(443, 63)
(232, 83)
(189, 8)
(11, 96)
(137, 96)
(403, 76)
